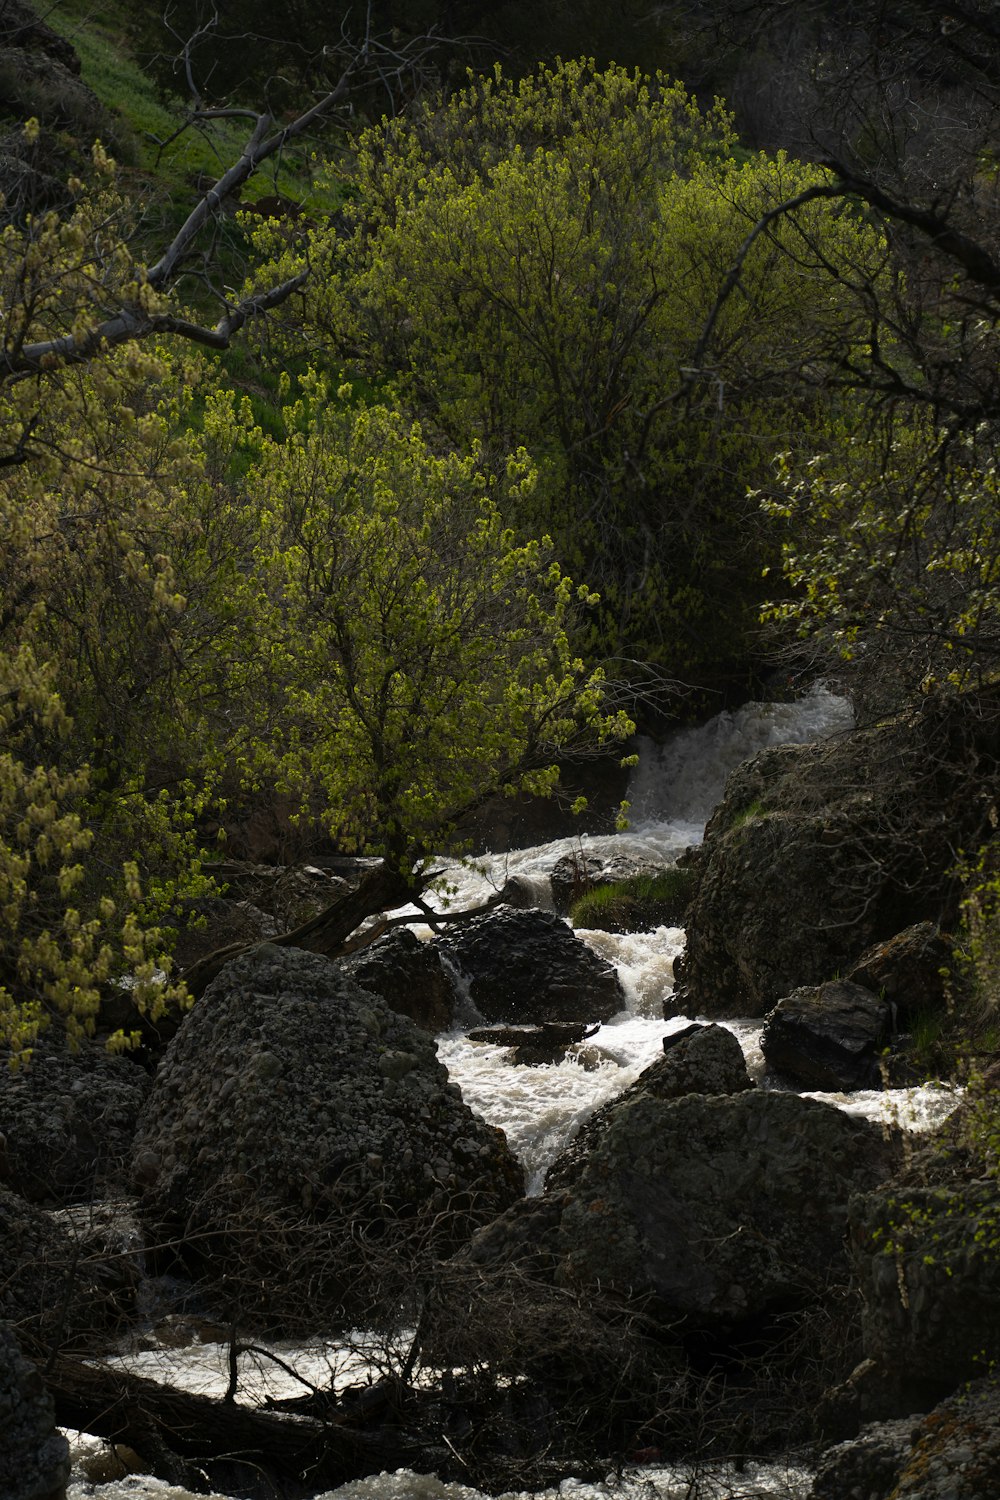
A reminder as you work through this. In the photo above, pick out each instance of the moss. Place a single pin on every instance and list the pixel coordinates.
(637, 904)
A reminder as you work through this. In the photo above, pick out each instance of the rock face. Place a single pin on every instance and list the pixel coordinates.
(302, 1140)
(68, 1122)
(927, 1266)
(829, 1036)
(526, 967)
(409, 976)
(34, 1456)
(951, 1454)
(817, 852)
(700, 1060)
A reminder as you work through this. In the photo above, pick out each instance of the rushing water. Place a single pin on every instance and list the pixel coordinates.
(673, 791)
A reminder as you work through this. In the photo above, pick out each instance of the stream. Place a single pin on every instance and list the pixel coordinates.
(673, 790)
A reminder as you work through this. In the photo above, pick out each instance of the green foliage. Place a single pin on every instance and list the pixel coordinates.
(408, 654)
(532, 265)
(637, 904)
(188, 605)
(894, 549)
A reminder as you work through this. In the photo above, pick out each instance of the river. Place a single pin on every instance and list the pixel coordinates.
(673, 791)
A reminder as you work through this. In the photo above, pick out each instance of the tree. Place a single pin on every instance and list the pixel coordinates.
(137, 569)
(530, 264)
(409, 656)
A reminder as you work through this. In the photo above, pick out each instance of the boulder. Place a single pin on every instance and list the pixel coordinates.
(536, 1046)
(953, 1453)
(817, 852)
(302, 1144)
(725, 1209)
(926, 1262)
(575, 874)
(526, 967)
(698, 1060)
(409, 976)
(34, 1456)
(67, 1122)
(828, 1036)
(906, 970)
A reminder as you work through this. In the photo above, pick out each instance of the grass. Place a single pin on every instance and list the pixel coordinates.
(636, 905)
(148, 124)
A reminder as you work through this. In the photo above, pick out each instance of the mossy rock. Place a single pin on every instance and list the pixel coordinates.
(638, 904)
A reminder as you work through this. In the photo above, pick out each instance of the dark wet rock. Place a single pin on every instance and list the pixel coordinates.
(296, 1116)
(409, 976)
(56, 1285)
(34, 1455)
(534, 1046)
(575, 874)
(906, 970)
(829, 1036)
(952, 1453)
(698, 1060)
(926, 1262)
(818, 852)
(528, 967)
(67, 1121)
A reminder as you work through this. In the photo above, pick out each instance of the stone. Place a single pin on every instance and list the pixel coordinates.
(818, 852)
(698, 1060)
(575, 874)
(926, 1263)
(723, 1208)
(829, 1036)
(906, 970)
(952, 1453)
(302, 1144)
(58, 1285)
(67, 1120)
(527, 967)
(409, 976)
(34, 1455)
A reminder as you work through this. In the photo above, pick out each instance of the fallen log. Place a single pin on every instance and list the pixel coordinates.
(184, 1436)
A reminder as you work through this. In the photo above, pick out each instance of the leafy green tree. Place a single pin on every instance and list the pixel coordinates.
(532, 264)
(348, 622)
(410, 657)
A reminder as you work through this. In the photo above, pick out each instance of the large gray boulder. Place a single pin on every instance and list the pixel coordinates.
(724, 1208)
(700, 1060)
(721, 1209)
(526, 967)
(302, 1144)
(817, 852)
(67, 1122)
(34, 1455)
(828, 1036)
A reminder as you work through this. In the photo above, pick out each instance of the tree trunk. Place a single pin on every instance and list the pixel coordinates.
(180, 1434)
(379, 887)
